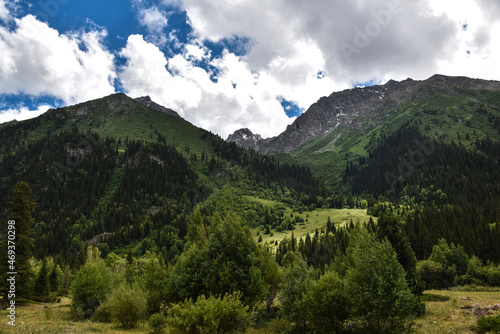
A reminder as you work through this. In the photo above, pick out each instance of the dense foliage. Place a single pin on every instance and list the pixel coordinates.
(145, 228)
(450, 191)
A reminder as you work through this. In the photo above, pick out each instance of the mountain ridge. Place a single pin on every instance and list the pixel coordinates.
(146, 100)
(348, 108)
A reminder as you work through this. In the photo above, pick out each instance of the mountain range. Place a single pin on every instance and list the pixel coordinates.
(347, 124)
(124, 172)
(366, 109)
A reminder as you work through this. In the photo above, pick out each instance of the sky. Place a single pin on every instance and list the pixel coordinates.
(229, 64)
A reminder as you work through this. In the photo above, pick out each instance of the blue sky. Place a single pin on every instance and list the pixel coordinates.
(224, 65)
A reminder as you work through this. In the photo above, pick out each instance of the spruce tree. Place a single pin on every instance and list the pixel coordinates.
(389, 227)
(18, 223)
(41, 289)
(54, 280)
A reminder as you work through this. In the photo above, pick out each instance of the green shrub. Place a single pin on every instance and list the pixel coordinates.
(127, 305)
(375, 283)
(91, 287)
(488, 324)
(103, 313)
(430, 297)
(297, 278)
(157, 322)
(212, 315)
(436, 275)
(48, 313)
(324, 305)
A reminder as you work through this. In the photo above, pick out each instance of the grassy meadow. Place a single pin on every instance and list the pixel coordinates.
(56, 319)
(448, 317)
(313, 220)
(441, 317)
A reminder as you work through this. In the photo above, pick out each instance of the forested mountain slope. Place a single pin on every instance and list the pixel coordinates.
(345, 125)
(114, 172)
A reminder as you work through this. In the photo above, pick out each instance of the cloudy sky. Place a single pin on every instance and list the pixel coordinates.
(228, 64)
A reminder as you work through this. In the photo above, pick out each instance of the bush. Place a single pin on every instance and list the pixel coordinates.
(324, 305)
(430, 297)
(297, 278)
(91, 286)
(488, 324)
(212, 315)
(157, 322)
(127, 305)
(436, 275)
(103, 313)
(376, 285)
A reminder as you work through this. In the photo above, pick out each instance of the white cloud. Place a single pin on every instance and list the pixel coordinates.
(22, 113)
(145, 74)
(409, 40)
(153, 19)
(216, 106)
(478, 51)
(4, 12)
(395, 39)
(36, 60)
(196, 51)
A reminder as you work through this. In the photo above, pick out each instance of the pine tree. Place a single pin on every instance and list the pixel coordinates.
(19, 217)
(54, 280)
(130, 257)
(41, 289)
(390, 227)
(66, 280)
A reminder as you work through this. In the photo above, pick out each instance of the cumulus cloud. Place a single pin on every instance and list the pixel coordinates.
(146, 74)
(22, 113)
(383, 38)
(155, 22)
(153, 19)
(36, 60)
(4, 12)
(478, 51)
(490, 9)
(237, 99)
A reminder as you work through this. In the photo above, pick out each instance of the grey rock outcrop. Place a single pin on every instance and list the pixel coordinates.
(146, 100)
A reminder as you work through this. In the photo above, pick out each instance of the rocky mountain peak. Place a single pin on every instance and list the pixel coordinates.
(146, 100)
(246, 138)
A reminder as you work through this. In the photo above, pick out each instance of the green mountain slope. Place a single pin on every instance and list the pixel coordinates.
(457, 115)
(116, 116)
(116, 173)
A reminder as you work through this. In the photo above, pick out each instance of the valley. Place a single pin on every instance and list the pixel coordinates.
(392, 190)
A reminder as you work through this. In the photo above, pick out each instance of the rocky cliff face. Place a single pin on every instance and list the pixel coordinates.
(245, 138)
(352, 108)
(146, 100)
